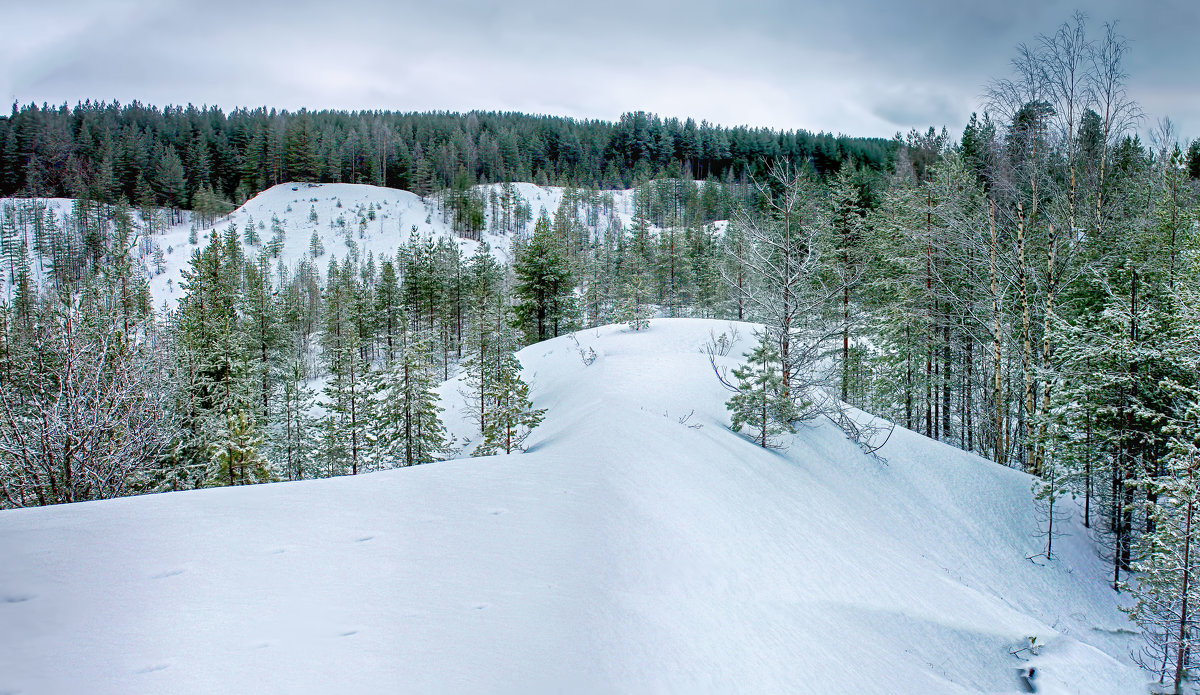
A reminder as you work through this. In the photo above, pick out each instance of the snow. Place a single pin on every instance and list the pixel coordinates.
(627, 551)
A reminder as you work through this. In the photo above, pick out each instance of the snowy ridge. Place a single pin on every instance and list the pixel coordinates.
(638, 546)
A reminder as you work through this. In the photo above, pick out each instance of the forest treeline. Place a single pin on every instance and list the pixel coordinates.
(1029, 291)
(166, 157)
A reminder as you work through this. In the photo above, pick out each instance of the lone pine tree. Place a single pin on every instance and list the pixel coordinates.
(759, 401)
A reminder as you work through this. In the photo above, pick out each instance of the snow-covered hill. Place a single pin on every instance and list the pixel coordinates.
(639, 546)
(376, 220)
(340, 210)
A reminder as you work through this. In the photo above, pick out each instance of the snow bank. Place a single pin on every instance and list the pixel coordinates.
(638, 546)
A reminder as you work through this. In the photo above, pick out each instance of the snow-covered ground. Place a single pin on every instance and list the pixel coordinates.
(639, 546)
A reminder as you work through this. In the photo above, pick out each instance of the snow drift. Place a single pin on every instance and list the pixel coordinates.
(639, 546)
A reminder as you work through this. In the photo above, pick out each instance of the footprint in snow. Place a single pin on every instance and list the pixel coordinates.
(277, 551)
(480, 606)
(364, 539)
(154, 668)
(169, 573)
(16, 598)
(348, 633)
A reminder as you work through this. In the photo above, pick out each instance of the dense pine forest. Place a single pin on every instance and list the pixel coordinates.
(1027, 289)
(168, 157)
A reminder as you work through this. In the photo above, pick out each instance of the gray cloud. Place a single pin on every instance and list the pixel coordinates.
(860, 67)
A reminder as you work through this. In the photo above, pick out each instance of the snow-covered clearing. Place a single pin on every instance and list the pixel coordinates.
(639, 546)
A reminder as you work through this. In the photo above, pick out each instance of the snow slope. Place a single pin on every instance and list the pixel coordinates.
(639, 546)
(396, 213)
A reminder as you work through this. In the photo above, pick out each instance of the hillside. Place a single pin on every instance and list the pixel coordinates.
(638, 546)
(397, 213)
(340, 210)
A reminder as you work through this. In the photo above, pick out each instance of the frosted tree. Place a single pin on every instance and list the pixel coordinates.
(236, 458)
(1168, 568)
(347, 389)
(295, 427)
(635, 309)
(513, 417)
(783, 249)
(250, 233)
(1167, 564)
(409, 430)
(83, 409)
(488, 335)
(759, 402)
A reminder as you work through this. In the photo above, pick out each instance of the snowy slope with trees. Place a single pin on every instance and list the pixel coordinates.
(283, 221)
(639, 545)
(351, 219)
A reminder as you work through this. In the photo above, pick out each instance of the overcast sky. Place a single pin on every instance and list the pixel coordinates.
(861, 67)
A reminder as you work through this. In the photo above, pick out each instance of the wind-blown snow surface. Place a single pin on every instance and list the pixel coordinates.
(632, 549)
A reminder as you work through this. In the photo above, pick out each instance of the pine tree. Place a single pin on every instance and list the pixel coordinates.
(250, 233)
(545, 300)
(487, 336)
(389, 311)
(235, 453)
(409, 431)
(759, 401)
(1167, 605)
(261, 313)
(635, 309)
(169, 180)
(513, 418)
(211, 347)
(295, 428)
(347, 389)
